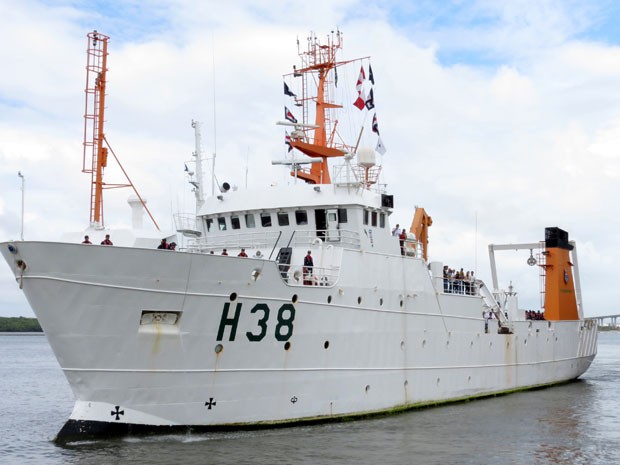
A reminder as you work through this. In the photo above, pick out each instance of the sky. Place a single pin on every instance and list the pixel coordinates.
(499, 118)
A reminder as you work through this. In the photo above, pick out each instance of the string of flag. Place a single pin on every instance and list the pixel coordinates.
(368, 103)
(362, 102)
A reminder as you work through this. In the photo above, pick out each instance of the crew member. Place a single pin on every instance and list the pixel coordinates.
(308, 265)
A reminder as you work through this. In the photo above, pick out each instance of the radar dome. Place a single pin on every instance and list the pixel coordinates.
(366, 157)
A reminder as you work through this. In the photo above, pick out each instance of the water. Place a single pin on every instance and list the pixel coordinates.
(577, 423)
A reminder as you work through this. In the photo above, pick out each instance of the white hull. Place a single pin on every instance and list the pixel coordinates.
(367, 342)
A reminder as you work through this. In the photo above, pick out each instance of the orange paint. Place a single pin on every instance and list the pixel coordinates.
(319, 64)
(560, 297)
(419, 227)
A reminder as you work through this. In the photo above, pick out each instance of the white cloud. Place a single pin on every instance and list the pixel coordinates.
(521, 129)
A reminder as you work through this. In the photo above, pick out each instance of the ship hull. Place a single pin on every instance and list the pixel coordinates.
(155, 340)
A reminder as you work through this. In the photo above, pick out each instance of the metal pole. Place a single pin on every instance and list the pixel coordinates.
(19, 173)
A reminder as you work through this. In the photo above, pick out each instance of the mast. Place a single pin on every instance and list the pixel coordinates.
(199, 183)
(95, 157)
(317, 140)
(96, 69)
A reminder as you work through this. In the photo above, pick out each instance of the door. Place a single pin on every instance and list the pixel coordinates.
(333, 234)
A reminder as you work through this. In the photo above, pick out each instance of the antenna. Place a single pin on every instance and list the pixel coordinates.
(213, 180)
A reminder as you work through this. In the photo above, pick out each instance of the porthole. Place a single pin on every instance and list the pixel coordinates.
(219, 348)
(367, 388)
(287, 346)
(401, 304)
(402, 345)
(233, 296)
(359, 300)
(294, 298)
(381, 302)
(329, 299)
(326, 345)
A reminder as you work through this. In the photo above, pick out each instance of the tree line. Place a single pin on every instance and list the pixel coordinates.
(19, 325)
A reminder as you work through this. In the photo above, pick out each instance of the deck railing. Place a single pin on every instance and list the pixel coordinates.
(268, 241)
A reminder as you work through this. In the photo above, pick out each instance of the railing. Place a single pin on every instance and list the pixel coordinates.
(254, 240)
(460, 286)
(303, 276)
(271, 239)
(412, 248)
(186, 224)
(349, 174)
(309, 237)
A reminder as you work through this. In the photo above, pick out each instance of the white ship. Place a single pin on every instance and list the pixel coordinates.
(158, 340)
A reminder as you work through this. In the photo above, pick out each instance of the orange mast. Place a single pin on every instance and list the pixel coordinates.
(96, 68)
(94, 135)
(317, 62)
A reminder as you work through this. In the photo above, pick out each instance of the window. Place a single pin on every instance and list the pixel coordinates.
(382, 220)
(265, 220)
(342, 215)
(283, 219)
(301, 217)
(209, 224)
(221, 223)
(249, 220)
(332, 217)
(374, 218)
(365, 216)
(234, 222)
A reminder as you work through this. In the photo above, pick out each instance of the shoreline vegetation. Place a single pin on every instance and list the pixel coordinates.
(19, 324)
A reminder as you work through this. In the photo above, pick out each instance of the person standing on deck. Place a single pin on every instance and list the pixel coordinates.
(107, 240)
(308, 265)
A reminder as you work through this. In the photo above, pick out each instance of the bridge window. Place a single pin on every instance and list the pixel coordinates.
(366, 216)
(342, 215)
(235, 223)
(221, 223)
(265, 220)
(374, 218)
(283, 219)
(301, 217)
(209, 224)
(382, 220)
(249, 220)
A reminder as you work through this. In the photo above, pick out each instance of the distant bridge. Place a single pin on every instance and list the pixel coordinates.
(607, 320)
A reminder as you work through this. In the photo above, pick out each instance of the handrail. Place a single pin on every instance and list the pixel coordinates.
(301, 276)
(275, 245)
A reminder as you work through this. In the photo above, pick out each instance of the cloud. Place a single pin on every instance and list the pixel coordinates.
(500, 118)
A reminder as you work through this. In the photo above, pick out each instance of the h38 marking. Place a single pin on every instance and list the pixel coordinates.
(283, 328)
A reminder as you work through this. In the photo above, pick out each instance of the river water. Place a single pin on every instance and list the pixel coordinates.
(576, 423)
